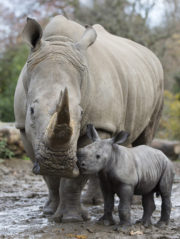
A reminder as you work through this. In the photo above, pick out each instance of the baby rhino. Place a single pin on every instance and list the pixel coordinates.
(125, 171)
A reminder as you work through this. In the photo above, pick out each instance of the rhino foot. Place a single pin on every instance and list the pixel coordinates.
(71, 215)
(50, 206)
(106, 220)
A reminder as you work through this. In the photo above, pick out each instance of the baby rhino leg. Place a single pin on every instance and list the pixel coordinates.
(165, 210)
(125, 193)
(108, 195)
(148, 207)
(165, 188)
(107, 218)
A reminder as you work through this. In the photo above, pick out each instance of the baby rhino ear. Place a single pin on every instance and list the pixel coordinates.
(120, 138)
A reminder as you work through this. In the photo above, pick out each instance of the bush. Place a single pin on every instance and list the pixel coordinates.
(170, 121)
(4, 151)
(11, 63)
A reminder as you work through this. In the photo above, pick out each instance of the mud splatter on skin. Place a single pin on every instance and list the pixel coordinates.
(22, 196)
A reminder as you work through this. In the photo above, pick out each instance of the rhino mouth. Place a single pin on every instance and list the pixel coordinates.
(60, 163)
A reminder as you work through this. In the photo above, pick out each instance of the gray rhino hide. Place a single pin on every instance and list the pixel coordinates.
(122, 83)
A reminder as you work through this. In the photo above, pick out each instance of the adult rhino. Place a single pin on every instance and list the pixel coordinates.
(76, 76)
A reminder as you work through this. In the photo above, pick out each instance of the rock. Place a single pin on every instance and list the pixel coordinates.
(9, 133)
(170, 148)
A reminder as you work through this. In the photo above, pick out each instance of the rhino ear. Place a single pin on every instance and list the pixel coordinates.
(92, 133)
(120, 138)
(32, 33)
(88, 38)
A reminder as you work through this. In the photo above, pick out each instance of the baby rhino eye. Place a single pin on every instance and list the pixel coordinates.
(97, 156)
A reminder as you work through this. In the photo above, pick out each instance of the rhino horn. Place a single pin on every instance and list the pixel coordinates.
(59, 130)
(62, 109)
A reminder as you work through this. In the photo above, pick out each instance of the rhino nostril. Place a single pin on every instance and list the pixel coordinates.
(36, 168)
(82, 164)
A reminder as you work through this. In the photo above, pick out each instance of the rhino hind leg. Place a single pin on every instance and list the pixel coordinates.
(53, 183)
(165, 211)
(165, 188)
(148, 207)
(70, 208)
(93, 195)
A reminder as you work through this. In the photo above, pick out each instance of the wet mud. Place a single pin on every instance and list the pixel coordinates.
(22, 196)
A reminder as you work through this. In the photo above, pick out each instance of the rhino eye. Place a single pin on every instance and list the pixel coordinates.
(97, 156)
(32, 110)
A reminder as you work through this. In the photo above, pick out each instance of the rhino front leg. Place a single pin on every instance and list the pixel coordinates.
(70, 208)
(125, 193)
(108, 196)
(53, 183)
(93, 195)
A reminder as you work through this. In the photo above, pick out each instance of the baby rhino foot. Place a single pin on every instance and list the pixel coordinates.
(145, 223)
(162, 223)
(106, 220)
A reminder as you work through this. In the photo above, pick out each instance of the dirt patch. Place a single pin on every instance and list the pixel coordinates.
(22, 196)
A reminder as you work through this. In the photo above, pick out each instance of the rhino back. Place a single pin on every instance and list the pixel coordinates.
(128, 84)
(151, 164)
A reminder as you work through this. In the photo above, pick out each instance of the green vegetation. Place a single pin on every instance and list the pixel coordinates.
(11, 63)
(25, 158)
(4, 151)
(170, 121)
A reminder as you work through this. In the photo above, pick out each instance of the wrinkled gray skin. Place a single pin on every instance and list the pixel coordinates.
(141, 170)
(75, 76)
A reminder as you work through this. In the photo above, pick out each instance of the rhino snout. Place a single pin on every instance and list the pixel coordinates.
(81, 164)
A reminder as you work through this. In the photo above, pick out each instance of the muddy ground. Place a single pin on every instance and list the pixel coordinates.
(22, 196)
